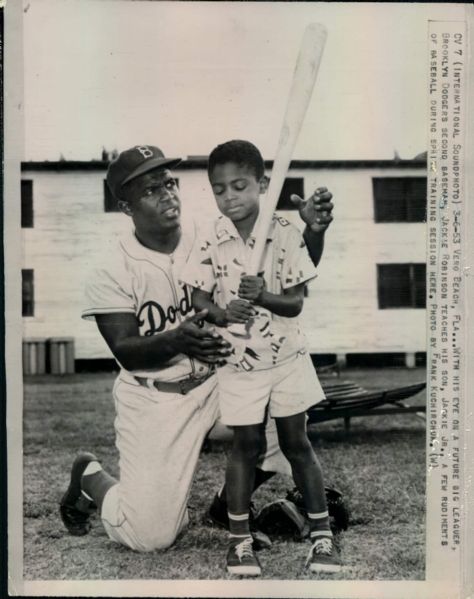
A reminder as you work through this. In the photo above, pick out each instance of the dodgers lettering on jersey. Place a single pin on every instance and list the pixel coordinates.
(153, 317)
(147, 283)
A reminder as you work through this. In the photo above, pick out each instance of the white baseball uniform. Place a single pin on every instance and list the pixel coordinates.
(159, 434)
(271, 367)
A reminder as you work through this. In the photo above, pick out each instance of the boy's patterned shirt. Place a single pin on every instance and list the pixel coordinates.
(216, 264)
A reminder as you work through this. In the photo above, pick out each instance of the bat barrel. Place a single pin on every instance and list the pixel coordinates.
(304, 78)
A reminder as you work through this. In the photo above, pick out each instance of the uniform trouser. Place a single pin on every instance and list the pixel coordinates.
(159, 438)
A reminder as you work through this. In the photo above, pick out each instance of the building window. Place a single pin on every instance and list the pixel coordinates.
(290, 186)
(28, 292)
(110, 203)
(399, 199)
(401, 285)
(27, 203)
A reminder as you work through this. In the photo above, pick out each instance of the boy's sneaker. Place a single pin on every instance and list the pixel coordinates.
(241, 559)
(217, 514)
(75, 508)
(323, 556)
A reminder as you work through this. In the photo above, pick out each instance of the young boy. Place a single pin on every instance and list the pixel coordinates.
(270, 371)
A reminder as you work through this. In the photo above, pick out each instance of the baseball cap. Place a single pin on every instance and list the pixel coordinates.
(134, 162)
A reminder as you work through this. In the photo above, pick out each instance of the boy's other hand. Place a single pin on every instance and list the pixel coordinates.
(239, 311)
(316, 211)
(251, 288)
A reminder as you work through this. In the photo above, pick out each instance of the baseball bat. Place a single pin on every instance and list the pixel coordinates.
(304, 78)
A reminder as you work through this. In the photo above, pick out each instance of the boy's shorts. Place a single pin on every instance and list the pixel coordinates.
(287, 389)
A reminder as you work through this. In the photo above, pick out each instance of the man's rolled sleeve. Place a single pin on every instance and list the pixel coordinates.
(106, 294)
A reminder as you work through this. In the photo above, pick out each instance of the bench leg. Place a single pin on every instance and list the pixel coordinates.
(341, 360)
(347, 424)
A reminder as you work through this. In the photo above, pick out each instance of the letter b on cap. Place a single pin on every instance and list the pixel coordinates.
(145, 151)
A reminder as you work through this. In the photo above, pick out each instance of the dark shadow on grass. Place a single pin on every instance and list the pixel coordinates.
(376, 436)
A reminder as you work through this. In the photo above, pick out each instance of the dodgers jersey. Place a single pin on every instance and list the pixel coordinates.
(147, 283)
(216, 264)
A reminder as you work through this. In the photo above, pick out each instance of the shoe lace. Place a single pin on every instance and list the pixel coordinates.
(322, 546)
(244, 548)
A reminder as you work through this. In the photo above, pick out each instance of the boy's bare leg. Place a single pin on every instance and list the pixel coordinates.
(305, 466)
(261, 476)
(240, 476)
(217, 512)
(271, 462)
(308, 476)
(240, 473)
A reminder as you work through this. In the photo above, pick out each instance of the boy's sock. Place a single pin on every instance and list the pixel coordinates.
(319, 525)
(239, 525)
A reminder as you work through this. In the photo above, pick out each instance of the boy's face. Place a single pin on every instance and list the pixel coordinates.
(236, 190)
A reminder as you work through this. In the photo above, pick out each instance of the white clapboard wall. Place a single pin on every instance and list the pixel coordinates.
(341, 315)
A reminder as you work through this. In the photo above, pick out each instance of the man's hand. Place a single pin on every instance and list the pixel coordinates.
(251, 288)
(194, 337)
(316, 210)
(239, 311)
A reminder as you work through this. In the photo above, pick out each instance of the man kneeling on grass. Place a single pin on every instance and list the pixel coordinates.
(166, 392)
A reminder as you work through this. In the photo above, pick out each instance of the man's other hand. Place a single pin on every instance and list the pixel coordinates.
(195, 337)
(316, 211)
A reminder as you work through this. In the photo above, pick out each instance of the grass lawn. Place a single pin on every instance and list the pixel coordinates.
(379, 466)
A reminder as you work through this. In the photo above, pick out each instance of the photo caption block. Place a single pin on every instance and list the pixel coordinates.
(447, 84)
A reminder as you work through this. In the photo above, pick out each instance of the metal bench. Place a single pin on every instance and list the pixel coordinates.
(345, 399)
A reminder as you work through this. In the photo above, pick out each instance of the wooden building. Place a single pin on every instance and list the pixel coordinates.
(369, 297)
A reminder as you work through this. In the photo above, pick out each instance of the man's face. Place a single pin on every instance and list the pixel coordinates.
(153, 201)
(236, 190)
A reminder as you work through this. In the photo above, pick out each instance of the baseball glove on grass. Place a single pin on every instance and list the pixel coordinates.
(287, 517)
